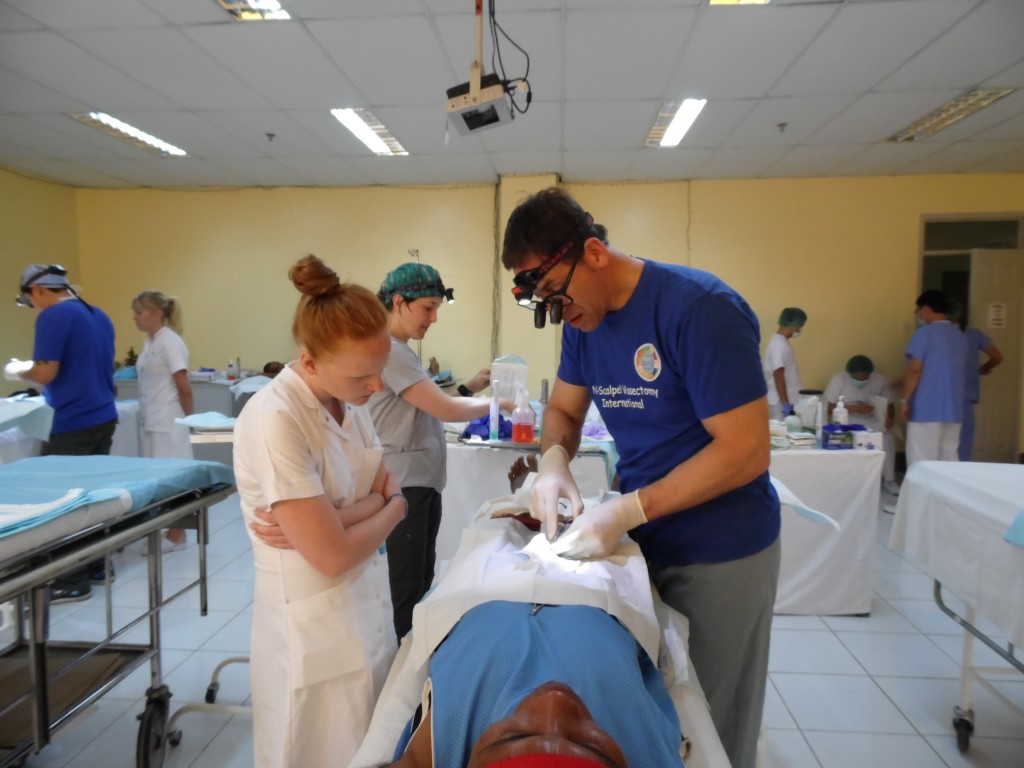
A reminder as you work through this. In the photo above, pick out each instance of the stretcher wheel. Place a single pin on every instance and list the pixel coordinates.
(211, 692)
(174, 737)
(964, 728)
(152, 743)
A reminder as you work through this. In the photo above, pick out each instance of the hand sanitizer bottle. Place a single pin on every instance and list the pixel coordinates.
(230, 372)
(839, 414)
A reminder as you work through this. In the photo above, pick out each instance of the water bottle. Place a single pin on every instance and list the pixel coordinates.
(523, 419)
(230, 372)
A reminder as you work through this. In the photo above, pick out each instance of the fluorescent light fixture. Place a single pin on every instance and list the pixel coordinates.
(134, 136)
(673, 121)
(368, 129)
(738, 2)
(953, 110)
(255, 10)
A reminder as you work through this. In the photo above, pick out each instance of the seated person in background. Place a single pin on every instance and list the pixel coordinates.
(271, 369)
(856, 385)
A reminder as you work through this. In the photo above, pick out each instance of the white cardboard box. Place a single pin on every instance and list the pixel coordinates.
(867, 441)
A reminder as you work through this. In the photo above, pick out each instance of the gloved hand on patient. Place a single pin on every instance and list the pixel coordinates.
(15, 369)
(554, 481)
(597, 531)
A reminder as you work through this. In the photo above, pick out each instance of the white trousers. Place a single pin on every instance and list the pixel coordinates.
(932, 441)
(167, 445)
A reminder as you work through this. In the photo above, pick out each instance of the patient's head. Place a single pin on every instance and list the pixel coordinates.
(550, 727)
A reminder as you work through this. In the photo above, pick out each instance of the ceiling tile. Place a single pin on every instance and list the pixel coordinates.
(811, 161)
(740, 162)
(961, 157)
(20, 94)
(668, 164)
(877, 116)
(884, 159)
(986, 42)
(109, 14)
(634, 67)
(608, 124)
(587, 165)
(863, 44)
(299, 74)
(785, 121)
(741, 52)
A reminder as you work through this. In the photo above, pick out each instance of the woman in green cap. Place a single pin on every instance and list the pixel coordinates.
(408, 414)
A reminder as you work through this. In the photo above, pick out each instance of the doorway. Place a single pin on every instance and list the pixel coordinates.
(978, 263)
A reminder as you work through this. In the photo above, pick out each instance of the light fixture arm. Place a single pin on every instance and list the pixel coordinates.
(476, 71)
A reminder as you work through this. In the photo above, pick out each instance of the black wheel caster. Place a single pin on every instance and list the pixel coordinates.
(211, 692)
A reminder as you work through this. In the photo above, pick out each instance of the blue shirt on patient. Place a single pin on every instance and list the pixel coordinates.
(499, 652)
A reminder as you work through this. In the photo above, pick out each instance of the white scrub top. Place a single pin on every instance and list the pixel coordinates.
(779, 354)
(159, 405)
(321, 645)
(841, 385)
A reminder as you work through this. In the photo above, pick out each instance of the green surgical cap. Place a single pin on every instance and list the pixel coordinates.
(792, 317)
(413, 281)
(860, 364)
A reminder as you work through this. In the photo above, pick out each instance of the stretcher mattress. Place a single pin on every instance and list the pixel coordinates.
(954, 517)
(47, 498)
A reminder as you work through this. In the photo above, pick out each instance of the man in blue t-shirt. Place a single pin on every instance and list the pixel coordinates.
(933, 386)
(73, 359)
(977, 341)
(670, 356)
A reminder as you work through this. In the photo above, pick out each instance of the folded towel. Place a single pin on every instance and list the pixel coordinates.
(210, 421)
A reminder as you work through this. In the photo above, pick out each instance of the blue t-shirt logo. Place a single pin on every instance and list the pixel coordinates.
(647, 362)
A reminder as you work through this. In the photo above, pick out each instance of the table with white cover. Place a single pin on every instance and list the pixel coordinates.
(478, 473)
(824, 572)
(953, 518)
(25, 435)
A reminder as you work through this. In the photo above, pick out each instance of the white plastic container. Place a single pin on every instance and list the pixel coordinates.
(839, 414)
(793, 423)
(230, 372)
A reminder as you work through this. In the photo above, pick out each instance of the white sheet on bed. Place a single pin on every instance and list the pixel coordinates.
(953, 518)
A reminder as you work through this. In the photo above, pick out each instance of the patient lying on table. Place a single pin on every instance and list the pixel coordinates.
(517, 652)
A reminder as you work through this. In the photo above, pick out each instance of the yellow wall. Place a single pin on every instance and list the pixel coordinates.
(226, 255)
(37, 224)
(846, 250)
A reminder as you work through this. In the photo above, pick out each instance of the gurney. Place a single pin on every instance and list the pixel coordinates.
(58, 513)
(661, 631)
(964, 522)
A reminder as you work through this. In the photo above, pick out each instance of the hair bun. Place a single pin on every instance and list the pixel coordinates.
(311, 277)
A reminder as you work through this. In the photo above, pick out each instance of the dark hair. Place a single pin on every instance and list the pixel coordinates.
(543, 223)
(792, 317)
(331, 310)
(935, 300)
(860, 364)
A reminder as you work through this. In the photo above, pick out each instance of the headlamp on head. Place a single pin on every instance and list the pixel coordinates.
(425, 291)
(36, 274)
(526, 282)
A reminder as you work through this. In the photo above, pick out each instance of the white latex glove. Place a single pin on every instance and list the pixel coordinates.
(13, 370)
(554, 481)
(598, 530)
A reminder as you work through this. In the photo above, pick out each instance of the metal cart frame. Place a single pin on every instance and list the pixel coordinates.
(48, 665)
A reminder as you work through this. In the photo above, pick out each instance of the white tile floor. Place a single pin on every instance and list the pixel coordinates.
(844, 692)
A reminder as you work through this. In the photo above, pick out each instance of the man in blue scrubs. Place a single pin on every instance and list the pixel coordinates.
(933, 386)
(73, 359)
(670, 355)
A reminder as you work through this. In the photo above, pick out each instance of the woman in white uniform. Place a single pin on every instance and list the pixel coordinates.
(780, 367)
(408, 414)
(164, 390)
(322, 632)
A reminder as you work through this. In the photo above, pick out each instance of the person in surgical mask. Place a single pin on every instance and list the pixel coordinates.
(780, 368)
(858, 385)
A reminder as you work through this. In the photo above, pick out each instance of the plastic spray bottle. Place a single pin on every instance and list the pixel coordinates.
(523, 418)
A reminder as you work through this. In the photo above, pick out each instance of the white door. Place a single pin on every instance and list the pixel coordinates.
(996, 304)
